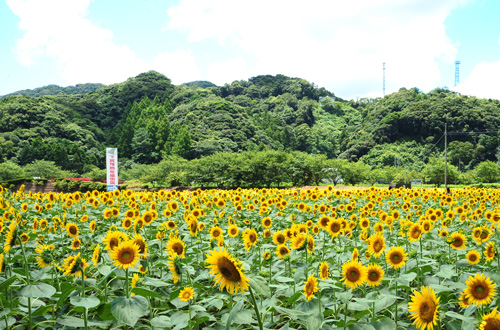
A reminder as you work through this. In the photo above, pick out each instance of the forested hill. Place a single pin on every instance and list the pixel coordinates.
(148, 118)
(56, 90)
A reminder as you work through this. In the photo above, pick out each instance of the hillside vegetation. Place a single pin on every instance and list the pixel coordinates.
(150, 119)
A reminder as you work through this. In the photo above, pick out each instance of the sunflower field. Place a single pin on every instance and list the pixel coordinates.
(319, 258)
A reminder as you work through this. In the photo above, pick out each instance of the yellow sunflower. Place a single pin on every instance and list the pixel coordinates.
(44, 256)
(376, 245)
(176, 246)
(93, 225)
(267, 222)
(463, 301)
(1, 257)
(334, 227)
(186, 294)
(473, 257)
(113, 239)
(216, 233)
(174, 265)
(279, 238)
(480, 290)
(126, 254)
(324, 270)
(310, 287)
(396, 257)
(299, 242)
(282, 251)
(74, 265)
(424, 308)
(490, 251)
(72, 230)
(227, 270)
(141, 243)
(415, 232)
(233, 231)
(458, 241)
(354, 274)
(76, 243)
(11, 237)
(374, 274)
(490, 321)
(96, 255)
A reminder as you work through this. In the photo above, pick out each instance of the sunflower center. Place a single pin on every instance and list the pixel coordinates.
(335, 228)
(352, 275)
(373, 276)
(216, 233)
(480, 291)
(492, 324)
(141, 244)
(457, 242)
(178, 249)
(126, 257)
(113, 242)
(252, 238)
(309, 288)
(395, 258)
(72, 230)
(472, 257)
(427, 311)
(228, 270)
(281, 239)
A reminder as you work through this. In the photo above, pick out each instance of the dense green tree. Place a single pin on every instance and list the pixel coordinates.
(433, 172)
(44, 169)
(487, 172)
(10, 171)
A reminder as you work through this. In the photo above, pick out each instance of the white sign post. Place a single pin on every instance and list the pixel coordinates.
(111, 169)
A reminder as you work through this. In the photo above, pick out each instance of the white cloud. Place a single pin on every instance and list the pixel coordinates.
(483, 81)
(337, 44)
(180, 66)
(85, 52)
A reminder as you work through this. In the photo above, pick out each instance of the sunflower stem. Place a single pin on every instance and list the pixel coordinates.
(256, 308)
(27, 280)
(396, 302)
(126, 284)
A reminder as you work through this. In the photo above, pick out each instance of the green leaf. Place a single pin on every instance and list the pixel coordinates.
(146, 293)
(361, 326)
(129, 310)
(161, 321)
(40, 290)
(283, 279)
(260, 286)
(314, 321)
(10, 322)
(236, 309)
(299, 275)
(292, 313)
(5, 284)
(154, 282)
(64, 296)
(405, 279)
(384, 324)
(466, 319)
(243, 317)
(447, 271)
(345, 297)
(179, 320)
(87, 302)
(71, 321)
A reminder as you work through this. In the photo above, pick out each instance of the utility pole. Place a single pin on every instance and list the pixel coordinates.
(446, 156)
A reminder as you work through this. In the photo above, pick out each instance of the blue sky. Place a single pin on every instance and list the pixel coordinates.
(337, 44)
